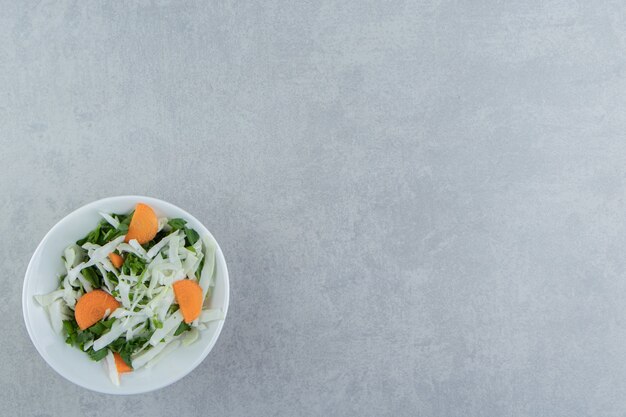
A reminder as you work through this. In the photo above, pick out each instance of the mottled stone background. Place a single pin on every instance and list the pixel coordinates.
(422, 204)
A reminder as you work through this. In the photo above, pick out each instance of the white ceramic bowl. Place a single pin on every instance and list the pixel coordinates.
(75, 366)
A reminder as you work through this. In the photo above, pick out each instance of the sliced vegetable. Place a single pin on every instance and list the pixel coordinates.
(122, 367)
(92, 307)
(116, 260)
(189, 297)
(143, 225)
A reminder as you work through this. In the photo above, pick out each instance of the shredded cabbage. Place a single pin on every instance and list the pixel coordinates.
(111, 369)
(170, 347)
(190, 337)
(125, 247)
(157, 248)
(162, 223)
(47, 299)
(211, 315)
(58, 313)
(112, 221)
(141, 252)
(106, 339)
(169, 325)
(146, 356)
(206, 276)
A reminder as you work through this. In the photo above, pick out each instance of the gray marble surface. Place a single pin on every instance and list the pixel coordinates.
(422, 204)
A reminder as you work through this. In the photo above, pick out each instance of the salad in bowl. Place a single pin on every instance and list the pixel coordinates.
(134, 289)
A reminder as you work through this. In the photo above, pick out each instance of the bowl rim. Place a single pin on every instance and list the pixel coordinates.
(129, 390)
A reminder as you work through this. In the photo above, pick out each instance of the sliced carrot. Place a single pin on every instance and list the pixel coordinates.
(143, 226)
(122, 367)
(116, 260)
(91, 307)
(189, 298)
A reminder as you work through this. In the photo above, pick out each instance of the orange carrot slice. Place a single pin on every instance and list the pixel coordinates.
(91, 307)
(116, 260)
(143, 226)
(189, 297)
(122, 367)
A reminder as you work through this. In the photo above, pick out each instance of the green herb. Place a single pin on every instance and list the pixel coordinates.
(160, 235)
(92, 237)
(97, 355)
(191, 236)
(110, 235)
(177, 224)
(112, 278)
(82, 337)
(92, 276)
(125, 354)
(127, 348)
(133, 265)
(157, 323)
(104, 232)
(122, 229)
(101, 327)
(117, 344)
(182, 327)
(70, 327)
(125, 219)
(75, 336)
(200, 266)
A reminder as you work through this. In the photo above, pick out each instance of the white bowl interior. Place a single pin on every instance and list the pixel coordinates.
(41, 277)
